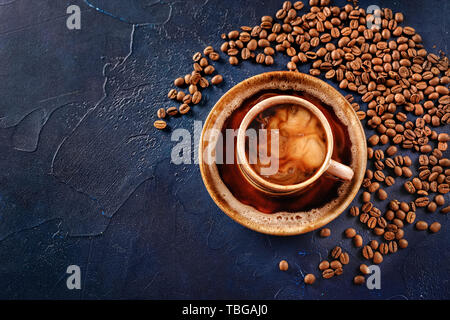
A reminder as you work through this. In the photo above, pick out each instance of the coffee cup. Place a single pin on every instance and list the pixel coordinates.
(328, 165)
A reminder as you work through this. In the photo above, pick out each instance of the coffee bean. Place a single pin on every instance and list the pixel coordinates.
(184, 108)
(197, 56)
(172, 111)
(377, 258)
(196, 97)
(336, 252)
(325, 232)
(283, 265)
(324, 265)
(357, 241)
(421, 225)
(390, 181)
(382, 195)
(440, 200)
(393, 247)
(367, 252)
(217, 79)
(364, 269)
(335, 264)
(350, 232)
(403, 243)
(409, 187)
(354, 211)
(422, 201)
(435, 227)
(443, 188)
(160, 124)
(209, 70)
(309, 279)
(328, 273)
(384, 248)
(172, 94)
(392, 150)
(366, 196)
(161, 113)
(410, 217)
(344, 258)
(359, 280)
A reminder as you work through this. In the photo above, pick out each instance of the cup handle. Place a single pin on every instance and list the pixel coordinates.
(340, 171)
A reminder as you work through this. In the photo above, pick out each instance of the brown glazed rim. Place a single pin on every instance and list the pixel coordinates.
(282, 223)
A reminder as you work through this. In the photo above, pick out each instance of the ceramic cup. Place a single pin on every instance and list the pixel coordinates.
(329, 166)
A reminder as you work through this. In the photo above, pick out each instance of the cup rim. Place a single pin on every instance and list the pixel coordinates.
(251, 175)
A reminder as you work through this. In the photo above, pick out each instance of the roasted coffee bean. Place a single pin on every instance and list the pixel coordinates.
(197, 56)
(390, 181)
(350, 232)
(344, 258)
(377, 258)
(392, 246)
(366, 196)
(328, 273)
(283, 265)
(440, 200)
(384, 248)
(209, 70)
(309, 279)
(217, 79)
(358, 241)
(172, 94)
(196, 97)
(403, 243)
(435, 227)
(184, 108)
(325, 232)
(364, 269)
(422, 201)
(382, 195)
(421, 225)
(372, 222)
(324, 265)
(373, 244)
(409, 187)
(367, 252)
(339, 271)
(172, 111)
(443, 188)
(354, 211)
(359, 280)
(161, 113)
(336, 252)
(160, 124)
(335, 264)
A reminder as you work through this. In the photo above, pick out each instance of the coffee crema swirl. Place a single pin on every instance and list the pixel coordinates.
(301, 144)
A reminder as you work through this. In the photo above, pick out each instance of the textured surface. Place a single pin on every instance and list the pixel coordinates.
(86, 180)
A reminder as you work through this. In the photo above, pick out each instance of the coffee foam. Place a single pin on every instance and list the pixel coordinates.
(286, 223)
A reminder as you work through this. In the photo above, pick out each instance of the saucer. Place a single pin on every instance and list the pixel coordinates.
(282, 223)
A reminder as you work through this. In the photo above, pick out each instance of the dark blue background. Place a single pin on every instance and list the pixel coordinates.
(85, 179)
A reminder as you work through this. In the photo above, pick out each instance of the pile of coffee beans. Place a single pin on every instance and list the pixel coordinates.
(391, 71)
(335, 267)
(194, 82)
(405, 91)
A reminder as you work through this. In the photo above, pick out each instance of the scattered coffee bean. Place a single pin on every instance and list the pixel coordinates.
(283, 265)
(421, 225)
(435, 227)
(160, 124)
(358, 241)
(325, 232)
(309, 279)
(359, 280)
